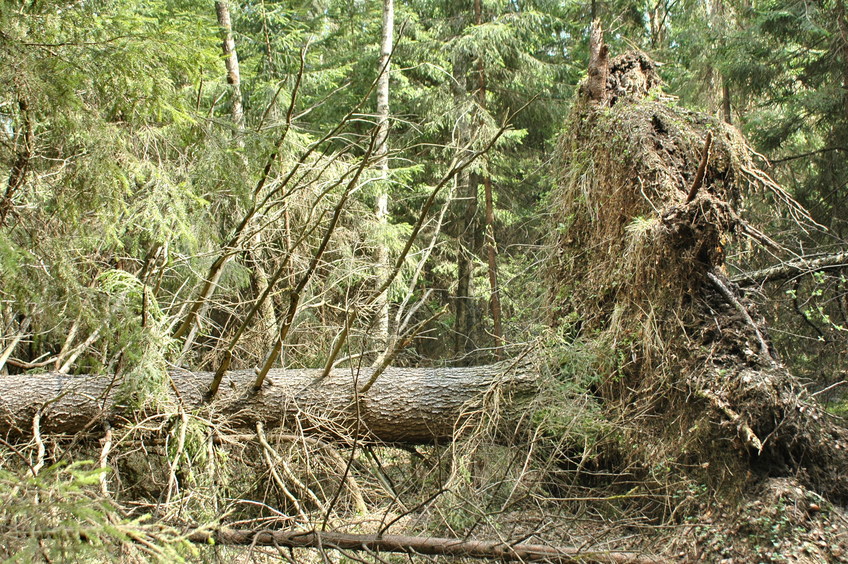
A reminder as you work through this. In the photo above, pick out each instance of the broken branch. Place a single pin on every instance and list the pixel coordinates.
(702, 168)
(434, 546)
(798, 267)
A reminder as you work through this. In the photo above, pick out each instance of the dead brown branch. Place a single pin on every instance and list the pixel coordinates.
(702, 168)
(434, 546)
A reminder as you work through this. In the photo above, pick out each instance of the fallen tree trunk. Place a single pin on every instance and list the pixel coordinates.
(432, 546)
(406, 405)
(789, 269)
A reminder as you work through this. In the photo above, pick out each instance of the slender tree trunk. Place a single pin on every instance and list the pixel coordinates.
(491, 247)
(492, 260)
(382, 157)
(596, 84)
(259, 277)
(719, 17)
(466, 256)
(655, 20)
(24, 142)
(726, 109)
(197, 311)
(842, 23)
(465, 214)
(228, 45)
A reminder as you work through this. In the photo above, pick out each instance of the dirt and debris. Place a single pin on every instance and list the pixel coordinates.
(779, 521)
(632, 76)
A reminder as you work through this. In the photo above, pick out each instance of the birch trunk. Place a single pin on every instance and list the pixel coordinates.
(382, 158)
(228, 46)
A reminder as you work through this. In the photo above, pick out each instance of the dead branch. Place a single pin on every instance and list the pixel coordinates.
(7, 352)
(457, 165)
(174, 463)
(272, 459)
(104, 458)
(231, 247)
(764, 348)
(798, 267)
(434, 546)
(36, 433)
(702, 168)
(295, 296)
(801, 216)
(746, 433)
(388, 356)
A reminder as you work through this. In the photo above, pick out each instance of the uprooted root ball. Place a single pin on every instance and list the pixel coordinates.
(639, 251)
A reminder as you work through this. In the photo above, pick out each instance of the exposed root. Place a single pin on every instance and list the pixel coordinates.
(764, 348)
(747, 434)
(702, 168)
(646, 210)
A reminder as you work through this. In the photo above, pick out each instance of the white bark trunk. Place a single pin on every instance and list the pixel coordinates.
(382, 158)
(228, 46)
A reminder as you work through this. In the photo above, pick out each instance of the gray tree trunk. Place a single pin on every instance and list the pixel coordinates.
(408, 405)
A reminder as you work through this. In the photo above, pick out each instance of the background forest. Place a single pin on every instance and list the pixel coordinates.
(336, 184)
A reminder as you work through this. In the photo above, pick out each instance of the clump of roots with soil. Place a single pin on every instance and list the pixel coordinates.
(651, 195)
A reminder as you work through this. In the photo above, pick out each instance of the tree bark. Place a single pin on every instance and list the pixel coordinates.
(228, 45)
(465, 221)
(596, 84)
(434, 546)
(381, 153)
(409, 405)
(491, 245)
